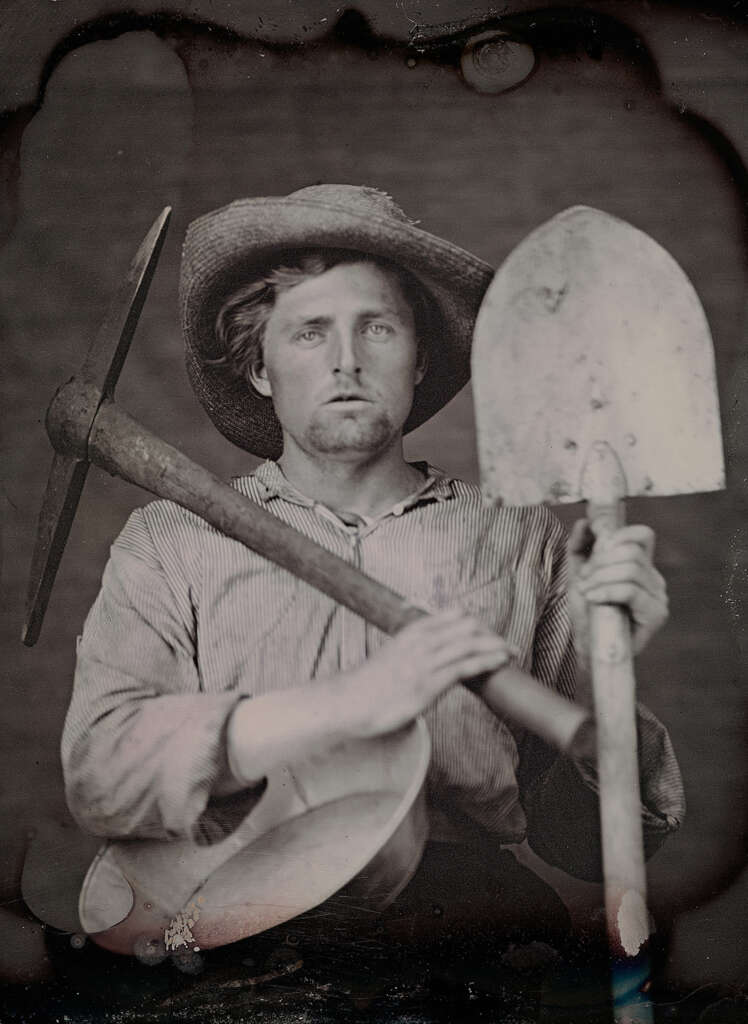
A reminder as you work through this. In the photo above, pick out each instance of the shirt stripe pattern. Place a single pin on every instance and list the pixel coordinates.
(188, 622)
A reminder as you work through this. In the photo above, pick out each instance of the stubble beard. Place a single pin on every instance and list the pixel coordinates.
(341, 433)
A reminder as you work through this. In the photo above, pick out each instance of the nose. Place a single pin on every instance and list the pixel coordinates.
(346, 357)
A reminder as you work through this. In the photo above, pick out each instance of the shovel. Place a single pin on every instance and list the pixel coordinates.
(593, 376)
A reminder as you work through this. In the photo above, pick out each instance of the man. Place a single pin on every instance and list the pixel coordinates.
(320, 327)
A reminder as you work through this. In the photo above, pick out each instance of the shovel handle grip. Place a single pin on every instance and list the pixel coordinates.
(614, 691)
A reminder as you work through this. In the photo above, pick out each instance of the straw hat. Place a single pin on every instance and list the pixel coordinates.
(229, 247)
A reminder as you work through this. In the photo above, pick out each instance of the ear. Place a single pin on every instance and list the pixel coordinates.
(258, 378)
(422, 363)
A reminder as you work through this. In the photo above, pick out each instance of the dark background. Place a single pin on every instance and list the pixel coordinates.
(637, 109)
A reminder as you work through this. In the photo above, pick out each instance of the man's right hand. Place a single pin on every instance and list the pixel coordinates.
(413, 668)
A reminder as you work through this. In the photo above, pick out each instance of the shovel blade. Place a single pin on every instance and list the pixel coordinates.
(590, 332)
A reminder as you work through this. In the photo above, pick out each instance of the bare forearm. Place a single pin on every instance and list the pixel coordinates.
(390, 689)
(290, 725)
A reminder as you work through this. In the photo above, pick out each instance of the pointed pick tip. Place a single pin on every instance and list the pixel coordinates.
(164, 216)
(154, 237)
(108, 351)
(29, 635)
(64, 486)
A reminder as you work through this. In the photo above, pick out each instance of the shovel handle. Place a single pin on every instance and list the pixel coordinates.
(614, 691)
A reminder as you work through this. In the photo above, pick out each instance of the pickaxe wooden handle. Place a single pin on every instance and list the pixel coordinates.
(85, 425)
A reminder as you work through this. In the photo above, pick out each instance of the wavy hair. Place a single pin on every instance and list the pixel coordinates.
(241, 320)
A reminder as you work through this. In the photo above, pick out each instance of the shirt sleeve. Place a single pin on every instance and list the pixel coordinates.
(560, 794)
(142, 746)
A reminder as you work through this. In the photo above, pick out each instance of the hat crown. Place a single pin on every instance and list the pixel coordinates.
(360, 199)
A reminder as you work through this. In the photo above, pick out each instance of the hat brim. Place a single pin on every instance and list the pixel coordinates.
(229, 247)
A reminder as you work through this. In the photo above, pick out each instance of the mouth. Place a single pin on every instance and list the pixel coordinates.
(346, 399)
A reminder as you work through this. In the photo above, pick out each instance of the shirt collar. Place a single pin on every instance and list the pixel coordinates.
(437, 486)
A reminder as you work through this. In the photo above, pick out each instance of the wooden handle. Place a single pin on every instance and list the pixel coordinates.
(124, 448)
(614, 692)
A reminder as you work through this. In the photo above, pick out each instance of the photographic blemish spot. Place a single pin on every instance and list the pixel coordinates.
(552, 298)
(559, 489)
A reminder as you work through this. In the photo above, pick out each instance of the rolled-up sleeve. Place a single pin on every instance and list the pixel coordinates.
(559, 794)
(142, 745)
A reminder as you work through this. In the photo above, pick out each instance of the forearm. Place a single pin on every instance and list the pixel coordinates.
(145, 765)
(384, 693)
(139, 763)
(290, 725)
(143, 744)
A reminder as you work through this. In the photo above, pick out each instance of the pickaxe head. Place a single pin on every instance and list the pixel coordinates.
(71, 416)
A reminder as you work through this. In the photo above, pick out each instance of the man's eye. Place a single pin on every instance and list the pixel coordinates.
(309, 336)
(377, 330)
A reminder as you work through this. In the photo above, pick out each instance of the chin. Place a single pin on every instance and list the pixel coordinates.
(355, 434)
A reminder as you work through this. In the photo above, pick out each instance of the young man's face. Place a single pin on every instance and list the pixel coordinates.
(341, 361)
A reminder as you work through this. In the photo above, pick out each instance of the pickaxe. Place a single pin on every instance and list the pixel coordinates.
(594, 379)
(86, 426)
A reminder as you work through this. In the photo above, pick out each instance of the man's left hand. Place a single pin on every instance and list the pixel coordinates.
(619, 571)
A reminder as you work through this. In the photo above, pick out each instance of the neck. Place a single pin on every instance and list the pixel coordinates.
(367, 485)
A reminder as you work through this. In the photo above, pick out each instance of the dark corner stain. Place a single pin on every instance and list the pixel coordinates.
(563, 31)
(183, 34)
(353, 29)
(12, 126)
(731, 160)
(554, 32)
(550, 32)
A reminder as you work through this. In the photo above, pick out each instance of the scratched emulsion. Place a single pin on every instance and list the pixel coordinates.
(178, 934)
(633, 922)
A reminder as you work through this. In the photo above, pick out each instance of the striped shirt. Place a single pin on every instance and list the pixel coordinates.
(188, 622)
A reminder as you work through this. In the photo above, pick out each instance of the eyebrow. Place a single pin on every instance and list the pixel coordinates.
(291, 323)
(368, 314)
